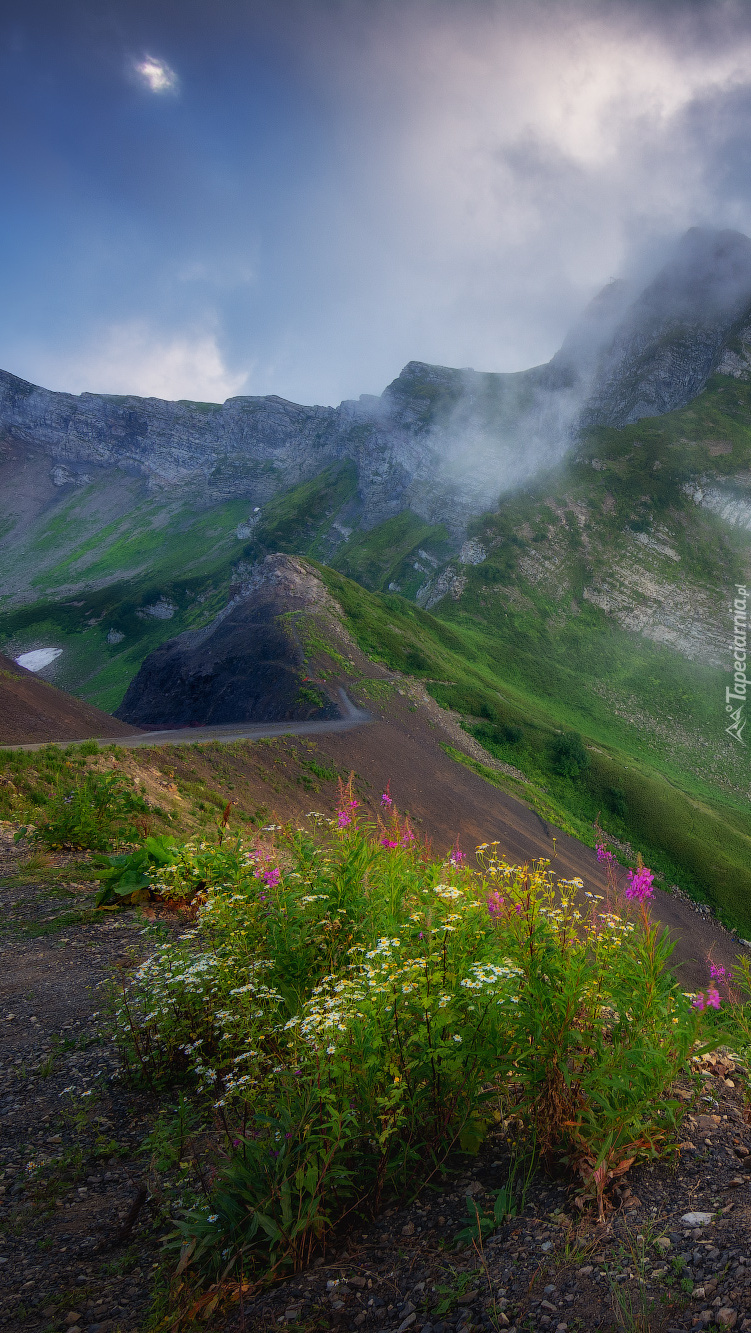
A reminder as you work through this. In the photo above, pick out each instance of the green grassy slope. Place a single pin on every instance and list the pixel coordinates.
(688, 834)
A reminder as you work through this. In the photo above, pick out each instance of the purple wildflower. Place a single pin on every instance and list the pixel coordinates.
(603, 855)
(495, 903)
(709, 1001)
(344, 817)
(639, 887)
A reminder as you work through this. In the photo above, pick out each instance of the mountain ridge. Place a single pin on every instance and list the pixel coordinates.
(438, 441)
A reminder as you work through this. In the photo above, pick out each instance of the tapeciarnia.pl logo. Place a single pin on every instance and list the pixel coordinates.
(735, 698)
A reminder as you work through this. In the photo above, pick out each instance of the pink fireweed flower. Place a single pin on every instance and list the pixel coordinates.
(272, 877)
(604, 855)
(719, 973)
(389, 842)
(456, 857)
(386, 798)
(639, 887)
(709, 1001)
(495, 903)
(344, 816)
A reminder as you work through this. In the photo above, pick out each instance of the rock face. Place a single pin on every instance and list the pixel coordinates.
(444, 443)
(673, 336)
(248, 665)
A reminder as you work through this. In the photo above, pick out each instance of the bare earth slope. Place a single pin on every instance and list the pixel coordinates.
(31, 710)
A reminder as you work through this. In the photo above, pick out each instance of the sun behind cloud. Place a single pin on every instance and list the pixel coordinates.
(157, 74)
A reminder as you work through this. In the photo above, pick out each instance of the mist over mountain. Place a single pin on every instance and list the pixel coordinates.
(441, 442)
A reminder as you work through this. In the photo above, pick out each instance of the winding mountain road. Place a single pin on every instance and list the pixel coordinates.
(252, 731)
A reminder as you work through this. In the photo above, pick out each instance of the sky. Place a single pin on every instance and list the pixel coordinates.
(204, 198)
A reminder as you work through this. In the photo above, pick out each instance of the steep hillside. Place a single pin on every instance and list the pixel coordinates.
(33, 711)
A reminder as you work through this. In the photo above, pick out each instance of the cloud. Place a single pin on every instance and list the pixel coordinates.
(353, 184)
(157, 75)
(135, 358)
(504, 161)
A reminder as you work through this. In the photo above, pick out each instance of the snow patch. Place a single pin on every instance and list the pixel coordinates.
(38, 658)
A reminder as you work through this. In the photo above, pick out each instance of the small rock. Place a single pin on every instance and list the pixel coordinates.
(696, 1219)
(735, 1182)
(72, 1317)
(547, 1305)
(407, 1323)
(585, 1271)
(408, 1307)
(360, 1319)
(658, 1272)
(663, 1244)
(358, 1282)
(409, 1230)
(468, 1297)
(726, 1317)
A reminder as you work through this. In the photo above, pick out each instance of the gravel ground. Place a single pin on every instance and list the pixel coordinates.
(73, 1252)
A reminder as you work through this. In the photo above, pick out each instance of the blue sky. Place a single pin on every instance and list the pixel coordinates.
(205, 198)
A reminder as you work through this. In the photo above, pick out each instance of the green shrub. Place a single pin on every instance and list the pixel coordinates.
(570, 758)
(128, 878)
(98, 810)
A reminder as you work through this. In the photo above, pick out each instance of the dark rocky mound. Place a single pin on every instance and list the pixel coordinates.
(248, 665)
(32, 711)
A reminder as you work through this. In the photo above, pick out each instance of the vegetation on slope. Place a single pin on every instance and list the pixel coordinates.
(524, 649)
(575, 776)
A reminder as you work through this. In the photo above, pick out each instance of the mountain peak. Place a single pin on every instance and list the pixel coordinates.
(670, 338)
